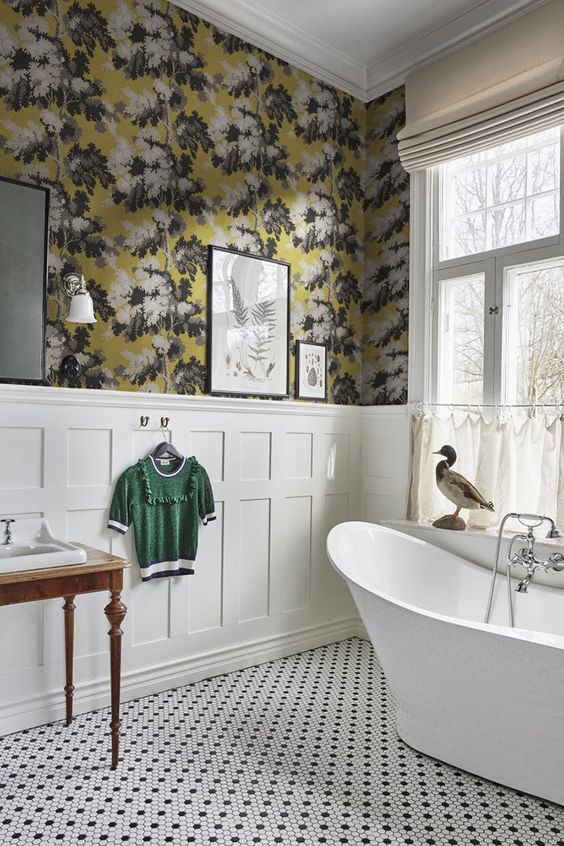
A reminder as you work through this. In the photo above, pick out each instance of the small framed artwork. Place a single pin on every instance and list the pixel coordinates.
(311, 370)
(248, 324)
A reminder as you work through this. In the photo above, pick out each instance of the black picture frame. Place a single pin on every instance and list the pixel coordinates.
(213, 385)
(34, 334)
(300, 346)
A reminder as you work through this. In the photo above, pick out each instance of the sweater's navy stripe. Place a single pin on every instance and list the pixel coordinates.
(115, 528)
(182, 571)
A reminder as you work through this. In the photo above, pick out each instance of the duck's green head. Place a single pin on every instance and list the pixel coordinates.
(448, 452)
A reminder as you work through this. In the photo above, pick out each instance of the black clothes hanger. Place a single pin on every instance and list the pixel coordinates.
(165, 448)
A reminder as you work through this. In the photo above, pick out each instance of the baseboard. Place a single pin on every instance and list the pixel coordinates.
(360, 630)
(89, 696)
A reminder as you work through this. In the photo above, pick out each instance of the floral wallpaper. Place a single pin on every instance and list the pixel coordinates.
(386, 256)
(159, 134)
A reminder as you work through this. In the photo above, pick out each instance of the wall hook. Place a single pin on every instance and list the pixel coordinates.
(143, 421)
(164, 422)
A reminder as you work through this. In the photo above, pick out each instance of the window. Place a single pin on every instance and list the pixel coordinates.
(461, 354)
(534, 333)
(506, 195)
(495, 287)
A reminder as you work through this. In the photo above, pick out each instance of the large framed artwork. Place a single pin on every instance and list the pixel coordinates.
(248, 324)
(24, 248)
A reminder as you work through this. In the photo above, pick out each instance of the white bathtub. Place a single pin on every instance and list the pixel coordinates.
(484, 698)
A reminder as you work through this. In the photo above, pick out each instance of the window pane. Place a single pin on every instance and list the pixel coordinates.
(470, 233)
(543, 169)
(470, 190)
(502, 196)
(461, 343)
(543, 212)
(506, 225)
(507, 179)
(534, 334)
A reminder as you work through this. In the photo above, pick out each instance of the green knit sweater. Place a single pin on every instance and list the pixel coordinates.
(165, 504)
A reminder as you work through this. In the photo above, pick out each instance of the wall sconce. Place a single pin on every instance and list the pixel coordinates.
(81, 307)
(81, 311)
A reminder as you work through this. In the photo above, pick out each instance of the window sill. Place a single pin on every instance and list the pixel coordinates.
(478, 546)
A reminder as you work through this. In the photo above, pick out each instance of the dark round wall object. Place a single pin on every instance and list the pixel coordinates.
(70, 367)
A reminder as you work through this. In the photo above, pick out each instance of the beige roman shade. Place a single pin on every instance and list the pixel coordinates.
(504, 85)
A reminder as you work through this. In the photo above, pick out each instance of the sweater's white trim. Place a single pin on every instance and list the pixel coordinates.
(166, 567)
(208, 517)
(119, 527)
(168, 475)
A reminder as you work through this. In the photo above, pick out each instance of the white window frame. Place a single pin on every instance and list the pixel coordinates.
(426, 271)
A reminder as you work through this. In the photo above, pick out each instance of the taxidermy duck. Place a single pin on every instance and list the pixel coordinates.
(454, 486)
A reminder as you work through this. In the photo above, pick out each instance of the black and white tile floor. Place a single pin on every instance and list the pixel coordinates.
(298, 751)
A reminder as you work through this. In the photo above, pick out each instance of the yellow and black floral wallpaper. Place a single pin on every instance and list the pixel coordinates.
(386, 256)
(158, 135)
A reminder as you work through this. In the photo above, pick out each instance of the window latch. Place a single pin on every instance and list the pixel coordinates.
(494, 310)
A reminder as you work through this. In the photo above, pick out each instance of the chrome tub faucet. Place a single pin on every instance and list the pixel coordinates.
(524, 557)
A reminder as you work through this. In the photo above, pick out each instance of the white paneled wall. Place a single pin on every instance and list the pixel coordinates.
(283, 474)
(385, 461)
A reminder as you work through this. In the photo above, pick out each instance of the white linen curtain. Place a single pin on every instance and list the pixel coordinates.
(515, 461)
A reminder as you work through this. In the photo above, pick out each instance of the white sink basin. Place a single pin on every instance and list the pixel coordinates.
(33, 547)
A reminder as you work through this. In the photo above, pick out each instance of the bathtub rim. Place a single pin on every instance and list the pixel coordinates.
(527, 635)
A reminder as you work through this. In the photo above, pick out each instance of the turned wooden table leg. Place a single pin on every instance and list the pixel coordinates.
(115, 612)
(69, 607)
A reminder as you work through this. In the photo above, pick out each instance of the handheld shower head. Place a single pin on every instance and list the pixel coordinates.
(532, 521)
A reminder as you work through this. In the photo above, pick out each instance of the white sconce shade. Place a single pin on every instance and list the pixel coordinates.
(81, 307)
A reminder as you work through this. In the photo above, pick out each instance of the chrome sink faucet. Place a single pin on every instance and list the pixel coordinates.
(7, 530)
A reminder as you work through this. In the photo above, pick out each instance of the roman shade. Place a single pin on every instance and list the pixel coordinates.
(504, 85)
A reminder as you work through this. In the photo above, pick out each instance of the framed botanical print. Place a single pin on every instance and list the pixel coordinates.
(311, 370)
(248, 324)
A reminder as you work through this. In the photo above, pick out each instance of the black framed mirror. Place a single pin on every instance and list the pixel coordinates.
(24, 247)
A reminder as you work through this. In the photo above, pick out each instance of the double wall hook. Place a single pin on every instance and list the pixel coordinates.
(144, 423)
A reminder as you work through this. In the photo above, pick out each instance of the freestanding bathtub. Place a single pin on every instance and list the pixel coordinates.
(484, 698)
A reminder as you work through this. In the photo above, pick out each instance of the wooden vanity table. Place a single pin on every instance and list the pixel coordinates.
(99, 572)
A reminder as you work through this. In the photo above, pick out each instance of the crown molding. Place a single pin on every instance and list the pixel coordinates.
(391, 70)
(249, 21)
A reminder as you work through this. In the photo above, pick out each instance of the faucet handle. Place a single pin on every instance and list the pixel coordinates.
(8, 520)
(556, 561)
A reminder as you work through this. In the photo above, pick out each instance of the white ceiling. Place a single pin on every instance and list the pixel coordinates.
(364, 47)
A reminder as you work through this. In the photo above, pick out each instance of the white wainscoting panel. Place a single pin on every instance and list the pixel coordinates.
(283, 474)
(205, 596)
(89, 457)
(254, 559)
(209, 448)
(255, 455)
(15, 444)
(385, 461)
(336, 455)
(298, 459)
(295, 578)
